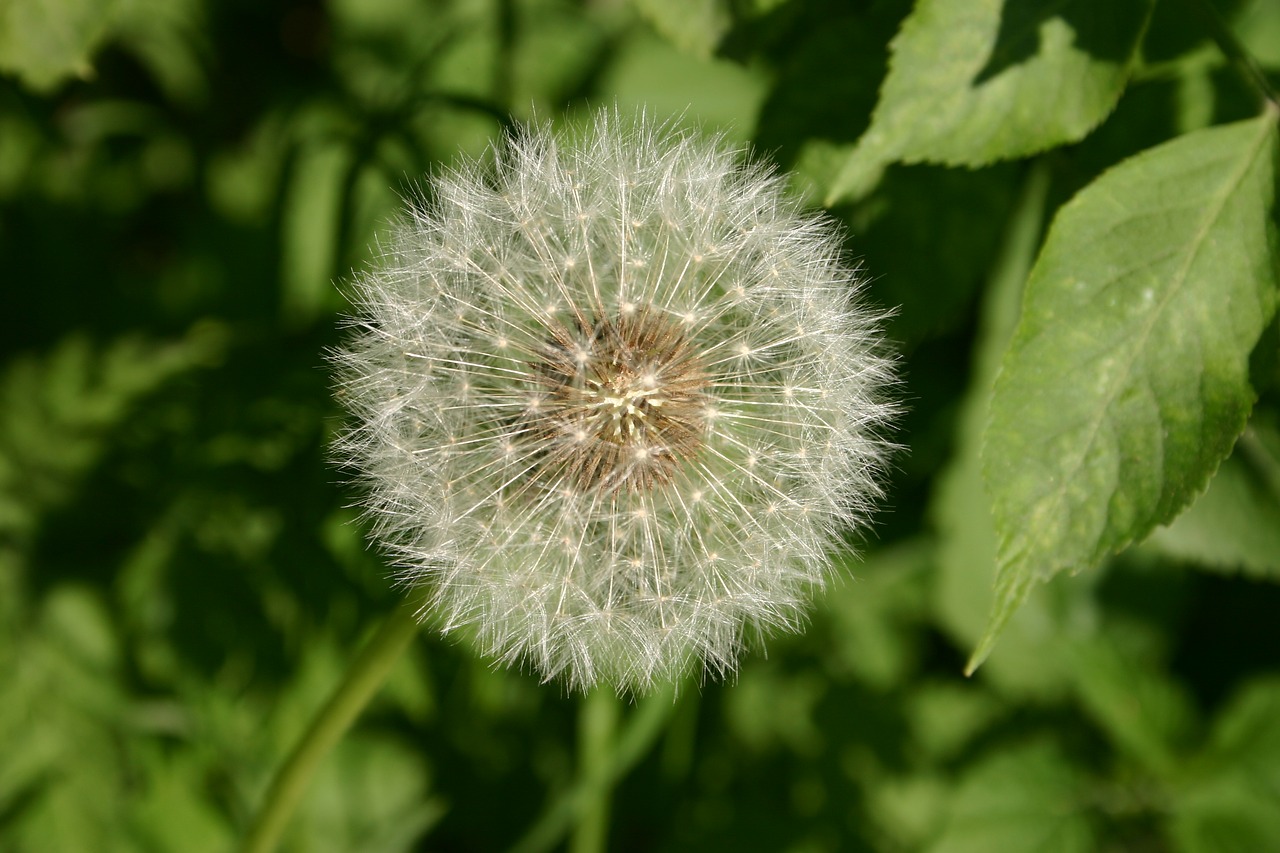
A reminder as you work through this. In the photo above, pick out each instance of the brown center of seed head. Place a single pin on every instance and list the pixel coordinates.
(620, 402)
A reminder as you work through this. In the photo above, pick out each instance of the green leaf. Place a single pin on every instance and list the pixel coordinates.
(694, 26)
(308, 255)
(873, 621)
(62, 728)
(919, 214)
(173, 810)
(1026, 798)
(58, 413)
(46, 41)
(820, 53)
(974, 81)
(1235, 525)
(1233, 804)
(1145, 713)
(907, 808)
(1257, 24)
(1127, 380)
(646, 72)
(373, 795)
(945, 717)
(1033, 665)
(771, 708)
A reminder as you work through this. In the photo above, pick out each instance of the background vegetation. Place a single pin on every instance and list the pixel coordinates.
(182, 582)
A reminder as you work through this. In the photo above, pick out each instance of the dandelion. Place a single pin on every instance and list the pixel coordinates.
(615, 404)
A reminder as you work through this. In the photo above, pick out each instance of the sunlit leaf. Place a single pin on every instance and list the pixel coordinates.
(974, 81)
(1033, 665)
(1127, 380)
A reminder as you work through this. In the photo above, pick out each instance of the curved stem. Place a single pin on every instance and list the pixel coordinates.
(365, 675)
(597, 724)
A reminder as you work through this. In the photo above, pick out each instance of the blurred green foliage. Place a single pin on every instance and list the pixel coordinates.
(182, 580)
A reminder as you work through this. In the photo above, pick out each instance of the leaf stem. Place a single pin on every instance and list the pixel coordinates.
(1231, 47)
(637, 737)
(362, 680)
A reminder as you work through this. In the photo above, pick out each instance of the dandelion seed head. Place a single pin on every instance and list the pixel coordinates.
(615, 403)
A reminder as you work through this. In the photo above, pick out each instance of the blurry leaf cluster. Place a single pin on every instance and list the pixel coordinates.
(182, 581)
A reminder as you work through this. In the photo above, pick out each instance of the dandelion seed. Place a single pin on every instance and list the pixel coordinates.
(614, 471)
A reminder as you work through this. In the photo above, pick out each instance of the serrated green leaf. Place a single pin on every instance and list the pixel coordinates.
(1026, 798)
(1033, 665)
(975, 81)
(1127, 380)
(1235, 524)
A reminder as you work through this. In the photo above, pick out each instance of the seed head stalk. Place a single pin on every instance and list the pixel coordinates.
(363, 679)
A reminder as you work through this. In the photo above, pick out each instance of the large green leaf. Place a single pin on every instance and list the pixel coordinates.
(1127, 380)
(974, 81)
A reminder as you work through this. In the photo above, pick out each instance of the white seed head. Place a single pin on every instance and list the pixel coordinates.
(614, 402)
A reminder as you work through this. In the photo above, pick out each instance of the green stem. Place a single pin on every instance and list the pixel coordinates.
(365, 675)
(637, 738)
(597, 724)
(1231, 47)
